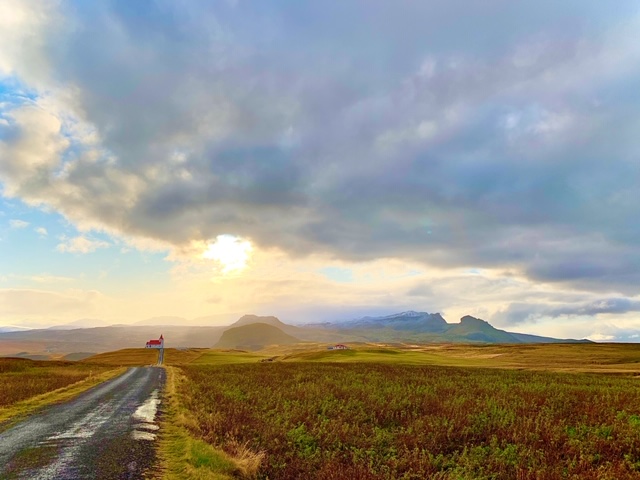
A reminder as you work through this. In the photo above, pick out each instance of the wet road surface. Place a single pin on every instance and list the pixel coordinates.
(107, 432)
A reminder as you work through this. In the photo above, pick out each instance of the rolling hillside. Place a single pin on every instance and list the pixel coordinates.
(254, 336)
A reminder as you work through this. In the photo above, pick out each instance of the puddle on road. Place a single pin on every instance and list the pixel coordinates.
(146, 414)
(138, 435)
(146, 426)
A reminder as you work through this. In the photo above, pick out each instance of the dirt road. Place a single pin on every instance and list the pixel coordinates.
(106, 433)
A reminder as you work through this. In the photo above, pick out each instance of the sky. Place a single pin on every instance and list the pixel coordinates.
(321, 161)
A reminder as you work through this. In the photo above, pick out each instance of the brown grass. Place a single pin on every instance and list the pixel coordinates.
(383, 421)
(594, 357)
(146, 356)
(184, 457)
(27, 385)
(127, 357)
(246, 459)
(21, 379)
(601, 357)
(173, 356)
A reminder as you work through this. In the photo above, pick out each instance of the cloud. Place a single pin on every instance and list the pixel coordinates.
(81, 244)
(18, 224)
(311, 129)
(21, 33)
(519, 312)
(46, 278)
(42, 231)
(28, 302)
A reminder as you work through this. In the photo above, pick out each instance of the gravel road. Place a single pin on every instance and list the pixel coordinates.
(107, 432)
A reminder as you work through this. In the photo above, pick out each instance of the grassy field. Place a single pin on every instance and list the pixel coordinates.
(131, 357)
(607, 358)
(26, 385)
(371, 420)
(437, 411)
(555, 357)
(21, 379)
(128, 357)
(390, 411)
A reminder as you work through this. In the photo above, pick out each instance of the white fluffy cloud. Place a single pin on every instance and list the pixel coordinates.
(18, 224)
(81, 244)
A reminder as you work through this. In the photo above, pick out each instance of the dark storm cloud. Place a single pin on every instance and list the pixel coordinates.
(485, 135)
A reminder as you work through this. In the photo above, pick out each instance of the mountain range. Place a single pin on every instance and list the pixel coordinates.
(253, 332)
(432, 328)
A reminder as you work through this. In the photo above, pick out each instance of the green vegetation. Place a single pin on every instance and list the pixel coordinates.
(385, 418)
(379, 355)
(576, 357)
(226, 357)
(582, 357)
(77, 356)
(26, 385)
(173, 356)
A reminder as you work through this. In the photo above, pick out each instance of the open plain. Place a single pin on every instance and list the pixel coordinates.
(368, 411)
(436, 411)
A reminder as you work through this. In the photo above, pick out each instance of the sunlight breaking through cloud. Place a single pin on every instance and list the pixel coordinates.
(231, 252)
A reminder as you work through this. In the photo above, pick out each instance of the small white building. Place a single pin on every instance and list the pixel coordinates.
(156, 343)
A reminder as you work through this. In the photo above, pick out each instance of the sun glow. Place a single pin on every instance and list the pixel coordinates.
(231, 252)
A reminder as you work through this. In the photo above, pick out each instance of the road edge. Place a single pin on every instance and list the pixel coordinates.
(181, 456)
(14, 413)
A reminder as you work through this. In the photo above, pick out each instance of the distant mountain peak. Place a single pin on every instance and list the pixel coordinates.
(408, 313)
(250, 319)
(468, 319)
(408, 321)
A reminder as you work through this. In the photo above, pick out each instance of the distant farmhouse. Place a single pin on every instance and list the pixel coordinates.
(337, 347)
(156, 343)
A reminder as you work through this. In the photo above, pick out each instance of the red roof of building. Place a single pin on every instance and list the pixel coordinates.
(154, 342)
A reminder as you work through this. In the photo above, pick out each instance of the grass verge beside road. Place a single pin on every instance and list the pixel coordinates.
(184, 457)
